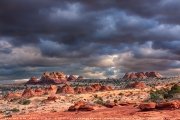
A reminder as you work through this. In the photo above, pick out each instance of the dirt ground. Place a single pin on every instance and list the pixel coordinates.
(116, 113)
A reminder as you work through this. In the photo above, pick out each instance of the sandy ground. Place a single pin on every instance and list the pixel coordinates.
(116, 113)
(65, 101)
(38, 110)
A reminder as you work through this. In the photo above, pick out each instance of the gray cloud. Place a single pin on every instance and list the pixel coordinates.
(92, 38)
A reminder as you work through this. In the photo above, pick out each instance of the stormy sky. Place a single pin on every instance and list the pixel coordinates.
(93, 38)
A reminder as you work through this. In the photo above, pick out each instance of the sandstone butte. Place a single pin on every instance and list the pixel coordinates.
(142, 75)
(53, 78)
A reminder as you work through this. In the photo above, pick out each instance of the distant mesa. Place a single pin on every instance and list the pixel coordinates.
(53, 78)
(142, 75)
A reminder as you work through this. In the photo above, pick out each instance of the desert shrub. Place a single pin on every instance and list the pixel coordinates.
(25, 102)
(164, 93)
(174, 89)
(99, 100)
(15, 110)
(95, 96)
(120, 94)
(158, 95)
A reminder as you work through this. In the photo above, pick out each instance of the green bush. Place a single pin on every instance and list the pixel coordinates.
(98, 100)
(25, 102)
(15, 110)
(158, 95)
(164, 93)
(174, 89)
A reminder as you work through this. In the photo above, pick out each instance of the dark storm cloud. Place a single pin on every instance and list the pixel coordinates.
(89, 33)
(173, 46)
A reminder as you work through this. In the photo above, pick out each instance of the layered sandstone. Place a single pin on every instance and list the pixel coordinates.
(142, 75)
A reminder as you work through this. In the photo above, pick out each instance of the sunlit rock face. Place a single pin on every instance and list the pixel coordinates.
(53, 78)
(153, 74)
(130, 76)
(142, 75)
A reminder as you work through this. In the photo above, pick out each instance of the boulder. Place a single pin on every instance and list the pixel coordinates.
(110, 104)
(147, 106)
(86, 107)
(80, 90)
(28, 92)
(76, 106)
(67, 89)
(72, 78)
(81, 106)
(175, 104)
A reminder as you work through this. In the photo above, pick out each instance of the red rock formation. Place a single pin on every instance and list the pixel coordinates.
(81, 106)
(80, 90)
(51, 90)
(86, 108)
(105, 88)
(72, 78)
(169, 105)
(142, 75)
(53, 78)
(110, 104)
(39, 92)
(12, 95)
(138, 85)
(32, 80)
(90, 89)
(147, 106)
(129, 76)
(67, 89)
(97, 87)
(153, 74)
(28, 93)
